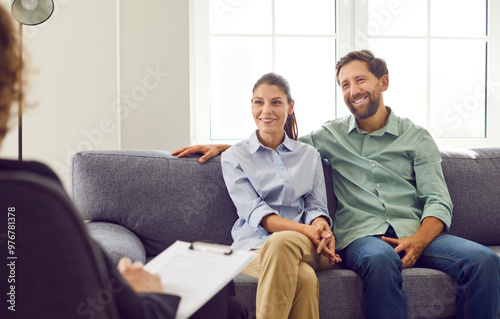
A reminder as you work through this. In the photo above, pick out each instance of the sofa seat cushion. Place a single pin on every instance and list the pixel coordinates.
(341, 293)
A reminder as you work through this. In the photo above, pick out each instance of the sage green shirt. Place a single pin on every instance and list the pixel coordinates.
(392, 176)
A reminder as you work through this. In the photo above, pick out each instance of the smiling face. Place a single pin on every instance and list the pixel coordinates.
(270, 109)
(362, 91)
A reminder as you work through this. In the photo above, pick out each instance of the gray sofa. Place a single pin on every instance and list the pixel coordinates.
(140, 202)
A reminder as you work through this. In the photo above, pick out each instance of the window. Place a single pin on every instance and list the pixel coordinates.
(438, 53)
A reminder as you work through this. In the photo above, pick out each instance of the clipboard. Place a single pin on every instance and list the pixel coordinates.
(197, 271)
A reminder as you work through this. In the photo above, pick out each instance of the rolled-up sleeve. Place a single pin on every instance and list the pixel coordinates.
(431, 185)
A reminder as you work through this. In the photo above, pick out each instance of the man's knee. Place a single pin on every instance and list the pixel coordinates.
(488, 262)
(378, 252)
(380, 258)
(380, 261)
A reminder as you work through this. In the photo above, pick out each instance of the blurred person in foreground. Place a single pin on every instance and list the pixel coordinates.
(139, 294)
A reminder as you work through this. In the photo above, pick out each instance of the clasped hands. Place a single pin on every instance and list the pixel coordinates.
(322, 237)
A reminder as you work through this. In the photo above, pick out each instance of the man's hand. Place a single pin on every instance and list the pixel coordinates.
(138, 278)
(413, 247)
(209, 151)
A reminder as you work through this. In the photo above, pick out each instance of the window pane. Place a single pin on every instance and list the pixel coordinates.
(458, 88)
(407, 92)
(389, 17)
(240, 17)
(235, 66)
(305, 17)
(458, 18)
(309, 66)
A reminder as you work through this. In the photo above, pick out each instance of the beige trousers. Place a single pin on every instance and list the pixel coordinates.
(288, 286)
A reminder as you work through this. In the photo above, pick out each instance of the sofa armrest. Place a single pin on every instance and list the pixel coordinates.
(117, 241)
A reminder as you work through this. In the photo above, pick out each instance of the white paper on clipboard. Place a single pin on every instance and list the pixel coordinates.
(196, 275)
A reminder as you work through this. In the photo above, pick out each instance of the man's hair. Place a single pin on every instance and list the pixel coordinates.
(376, 66)
(10, 68)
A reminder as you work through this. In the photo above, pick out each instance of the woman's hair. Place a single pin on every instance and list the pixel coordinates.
(10, 68)
(275, 79)
(376, 66)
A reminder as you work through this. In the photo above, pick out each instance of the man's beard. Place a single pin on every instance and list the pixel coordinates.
(372, 106)
(370, 110)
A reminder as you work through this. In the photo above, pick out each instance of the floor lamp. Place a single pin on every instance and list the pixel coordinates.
(28, 12)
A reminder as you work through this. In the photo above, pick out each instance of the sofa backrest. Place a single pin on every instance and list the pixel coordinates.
(162, 198)
(157, 196)
(473, 179)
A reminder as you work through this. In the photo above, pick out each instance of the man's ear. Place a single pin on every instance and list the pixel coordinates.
(384, 80)
(290, 107)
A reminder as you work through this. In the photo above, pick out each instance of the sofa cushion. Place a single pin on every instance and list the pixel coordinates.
(118, 241)
(138, 190)
(473, 178)
(341, 293)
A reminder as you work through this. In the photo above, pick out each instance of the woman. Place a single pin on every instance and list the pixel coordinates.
(139, 294)
(277, 185)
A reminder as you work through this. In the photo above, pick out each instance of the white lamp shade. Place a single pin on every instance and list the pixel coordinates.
(32, 12)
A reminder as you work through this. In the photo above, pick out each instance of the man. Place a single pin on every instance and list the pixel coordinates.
(394, 205)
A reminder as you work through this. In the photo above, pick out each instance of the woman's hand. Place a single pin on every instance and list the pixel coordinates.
(324, 240)
(318, 232)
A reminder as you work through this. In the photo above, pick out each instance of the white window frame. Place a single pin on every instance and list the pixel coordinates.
(347, 40)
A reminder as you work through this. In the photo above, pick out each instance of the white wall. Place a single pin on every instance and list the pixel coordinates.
(89, 55)
(155, 36)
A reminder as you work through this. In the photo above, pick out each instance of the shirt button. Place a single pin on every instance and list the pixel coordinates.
(388, 220)
(383, 201)
(373, 164)
(378, 185)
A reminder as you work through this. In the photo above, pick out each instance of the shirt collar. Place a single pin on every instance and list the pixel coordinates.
(254, 143)
(391, 126)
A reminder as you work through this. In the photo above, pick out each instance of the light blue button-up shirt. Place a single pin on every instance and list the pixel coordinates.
(392, 176)
(288, 182)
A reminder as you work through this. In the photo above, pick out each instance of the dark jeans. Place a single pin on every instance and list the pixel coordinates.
(474, 267)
